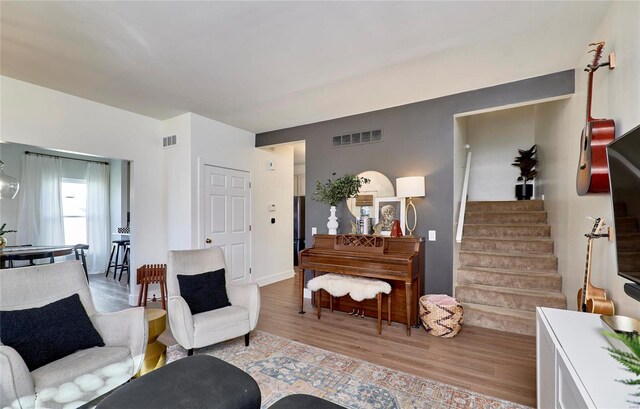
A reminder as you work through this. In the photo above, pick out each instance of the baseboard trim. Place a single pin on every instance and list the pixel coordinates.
(274, 278)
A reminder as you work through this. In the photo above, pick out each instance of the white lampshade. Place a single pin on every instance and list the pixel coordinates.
(411, 186)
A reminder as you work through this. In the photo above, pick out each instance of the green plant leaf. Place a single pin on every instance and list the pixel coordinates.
(334, 191)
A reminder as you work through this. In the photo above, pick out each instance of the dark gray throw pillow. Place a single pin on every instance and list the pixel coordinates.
(204, 292)
(45, 334)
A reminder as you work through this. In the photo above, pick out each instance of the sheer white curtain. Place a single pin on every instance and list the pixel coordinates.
(98, 236)
(40, 220)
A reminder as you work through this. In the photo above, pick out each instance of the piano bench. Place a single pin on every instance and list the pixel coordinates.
(358, 288)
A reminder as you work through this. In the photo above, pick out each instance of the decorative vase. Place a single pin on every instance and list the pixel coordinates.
(332, 224)
(396, 231)
(3, 242)
(524, 192)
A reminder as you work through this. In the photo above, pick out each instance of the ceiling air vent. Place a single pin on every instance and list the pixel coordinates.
(169, 141)
(357, 138)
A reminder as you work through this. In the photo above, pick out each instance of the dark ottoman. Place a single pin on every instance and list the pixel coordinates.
(300, 401)
(199, 381)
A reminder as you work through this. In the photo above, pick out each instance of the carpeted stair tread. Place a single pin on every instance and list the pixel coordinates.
(518, 298)
(508, 217)
(506, 254)
(532, 238)
(540, 245)
(506, 270)
(522, 291)
(488, 316)
(506, 230)
(504, 205)
(517, 261)
(539, 280)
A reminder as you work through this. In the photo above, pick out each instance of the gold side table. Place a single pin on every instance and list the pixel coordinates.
(156, 354)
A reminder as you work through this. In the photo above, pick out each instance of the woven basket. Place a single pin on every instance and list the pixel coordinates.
(441, 315)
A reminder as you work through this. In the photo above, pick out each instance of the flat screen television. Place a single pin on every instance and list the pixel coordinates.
(623, 155)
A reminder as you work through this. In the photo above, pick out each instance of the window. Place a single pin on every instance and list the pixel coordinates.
(74, 210)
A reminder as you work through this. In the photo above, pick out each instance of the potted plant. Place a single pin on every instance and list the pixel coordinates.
(333, 191)
(3, 241)
(629, 359)
(527, 162)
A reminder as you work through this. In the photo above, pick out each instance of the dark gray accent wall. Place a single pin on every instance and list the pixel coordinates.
(418, 140)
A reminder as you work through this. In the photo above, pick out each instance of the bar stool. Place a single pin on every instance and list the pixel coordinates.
(115, 249)
(125, 263)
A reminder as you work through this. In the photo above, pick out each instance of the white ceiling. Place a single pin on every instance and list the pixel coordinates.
(262, 66)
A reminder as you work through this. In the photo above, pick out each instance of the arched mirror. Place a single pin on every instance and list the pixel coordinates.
(380, 186)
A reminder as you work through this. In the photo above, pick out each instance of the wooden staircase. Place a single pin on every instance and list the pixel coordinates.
(507, 266)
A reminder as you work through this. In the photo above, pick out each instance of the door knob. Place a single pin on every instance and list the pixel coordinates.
(208, 241)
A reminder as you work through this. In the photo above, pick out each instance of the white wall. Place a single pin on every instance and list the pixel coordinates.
(38, 116)
(274, 258)
(178, 195)
(495, 138)
(557, 131)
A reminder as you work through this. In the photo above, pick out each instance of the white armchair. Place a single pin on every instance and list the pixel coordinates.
(83, 375)
(210, 327)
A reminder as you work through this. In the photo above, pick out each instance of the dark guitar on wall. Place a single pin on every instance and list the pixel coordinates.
(593, 174)
(590, 298)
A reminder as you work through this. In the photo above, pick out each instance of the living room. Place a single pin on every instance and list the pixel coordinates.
(62, 90)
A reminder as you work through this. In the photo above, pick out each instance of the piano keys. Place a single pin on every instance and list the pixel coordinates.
(397, 260)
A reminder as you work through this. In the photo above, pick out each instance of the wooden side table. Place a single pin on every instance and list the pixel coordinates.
(155, 356)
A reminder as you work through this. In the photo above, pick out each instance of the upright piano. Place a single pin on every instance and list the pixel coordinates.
(397, 260)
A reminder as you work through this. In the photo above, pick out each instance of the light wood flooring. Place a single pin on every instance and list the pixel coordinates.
(492, 362)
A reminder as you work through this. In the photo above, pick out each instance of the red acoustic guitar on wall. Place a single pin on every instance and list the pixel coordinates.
(593, 173)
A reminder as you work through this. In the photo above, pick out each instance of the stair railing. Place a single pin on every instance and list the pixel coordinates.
(463, 197)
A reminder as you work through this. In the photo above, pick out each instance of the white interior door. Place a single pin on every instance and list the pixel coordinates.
(227, 196)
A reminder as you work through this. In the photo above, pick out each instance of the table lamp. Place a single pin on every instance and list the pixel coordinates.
(410, 187)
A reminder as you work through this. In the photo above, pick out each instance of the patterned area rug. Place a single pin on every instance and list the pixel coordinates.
(283, 367)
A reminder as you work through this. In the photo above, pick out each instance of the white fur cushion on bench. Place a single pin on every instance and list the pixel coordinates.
(358, 288)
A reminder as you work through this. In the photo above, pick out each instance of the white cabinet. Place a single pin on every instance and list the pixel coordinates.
(573, 368)
(298, 185)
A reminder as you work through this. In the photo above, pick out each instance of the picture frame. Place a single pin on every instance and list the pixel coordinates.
(399, 212)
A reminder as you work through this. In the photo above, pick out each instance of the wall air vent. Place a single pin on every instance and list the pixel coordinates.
(357, 138)
(169, 141)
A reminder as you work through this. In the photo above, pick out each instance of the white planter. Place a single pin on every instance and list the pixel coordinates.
(332, 224)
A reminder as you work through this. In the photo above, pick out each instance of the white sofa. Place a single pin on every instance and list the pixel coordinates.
(83, 375)
(207, 328)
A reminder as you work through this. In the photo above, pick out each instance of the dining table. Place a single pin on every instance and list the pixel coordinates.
(29, 253)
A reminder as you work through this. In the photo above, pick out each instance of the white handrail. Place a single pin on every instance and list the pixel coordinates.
(463, 198)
